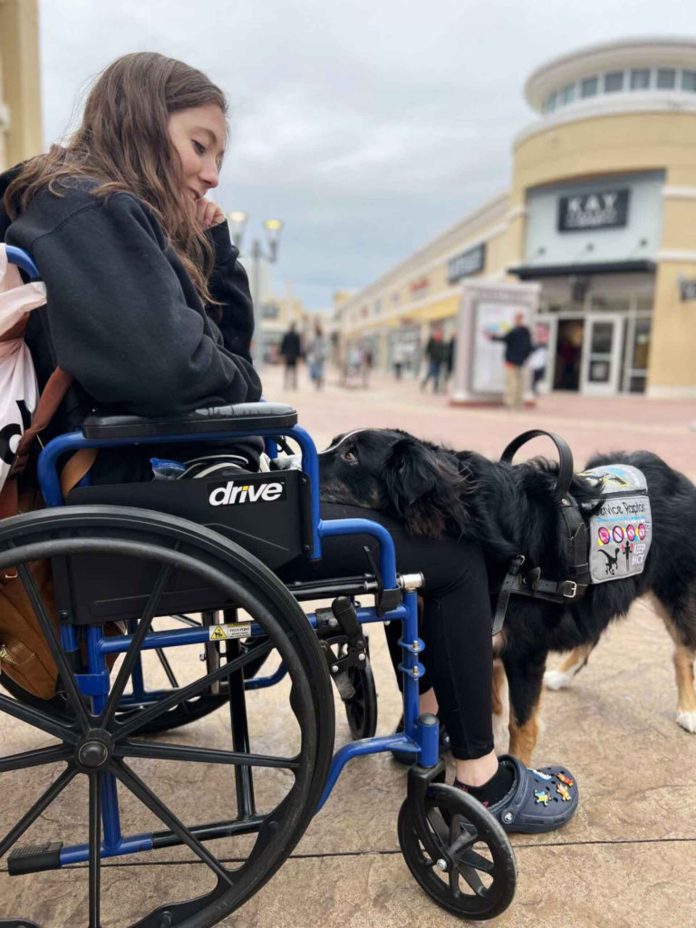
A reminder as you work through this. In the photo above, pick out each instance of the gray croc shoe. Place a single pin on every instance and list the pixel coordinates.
(538, 800)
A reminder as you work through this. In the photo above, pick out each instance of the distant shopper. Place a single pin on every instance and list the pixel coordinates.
(290, 351)
(436, 357)
(367, 365)
(538, 361)
(317, 353)
(518, 347)
(398, 360)
(449, 360)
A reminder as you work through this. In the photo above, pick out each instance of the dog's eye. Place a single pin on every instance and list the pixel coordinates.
(349, 457)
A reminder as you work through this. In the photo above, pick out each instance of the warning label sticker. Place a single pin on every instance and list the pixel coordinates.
(228, 632)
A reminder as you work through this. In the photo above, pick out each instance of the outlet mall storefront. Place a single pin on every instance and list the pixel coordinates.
(601, 214)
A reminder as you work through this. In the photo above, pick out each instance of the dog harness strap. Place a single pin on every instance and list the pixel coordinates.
(565, 457)
(577, 542)
(508, 586)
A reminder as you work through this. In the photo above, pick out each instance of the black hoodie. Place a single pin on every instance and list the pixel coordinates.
(123, 316)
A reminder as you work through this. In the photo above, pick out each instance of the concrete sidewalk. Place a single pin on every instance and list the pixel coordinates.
(627, 860)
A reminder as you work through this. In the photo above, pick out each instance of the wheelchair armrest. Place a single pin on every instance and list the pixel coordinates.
(241, 417)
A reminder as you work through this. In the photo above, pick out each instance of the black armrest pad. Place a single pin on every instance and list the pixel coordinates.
(240, 418)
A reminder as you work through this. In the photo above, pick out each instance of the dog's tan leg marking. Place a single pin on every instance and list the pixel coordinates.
(501, 707)
(686, 695)
(523, 738)
(683, 658)
(499, 683)
(562, 676)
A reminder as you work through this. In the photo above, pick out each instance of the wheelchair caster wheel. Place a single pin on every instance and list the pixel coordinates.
(361, 710)
(361, 704)
(465, 862)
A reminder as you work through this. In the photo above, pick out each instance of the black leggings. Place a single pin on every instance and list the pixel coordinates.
(456, 622)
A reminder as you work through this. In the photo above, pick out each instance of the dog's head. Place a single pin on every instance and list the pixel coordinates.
(393, 472)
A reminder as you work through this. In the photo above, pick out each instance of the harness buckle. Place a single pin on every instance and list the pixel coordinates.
(570, 589)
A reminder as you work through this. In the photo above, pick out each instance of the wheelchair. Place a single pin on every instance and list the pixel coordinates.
(144, 575)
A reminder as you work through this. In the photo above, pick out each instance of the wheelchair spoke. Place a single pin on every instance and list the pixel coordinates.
(139, 719)
(34, 758)
(133, 782)
(135, 646)
(159, 751)
(66, 675)
(94, 850)
(164, 661)
(478, 861)
(471, 877)
(185, 620)
(38, 719)
(43, 802)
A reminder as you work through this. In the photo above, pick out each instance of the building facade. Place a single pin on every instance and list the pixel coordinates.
(601, 212)
(20, 86)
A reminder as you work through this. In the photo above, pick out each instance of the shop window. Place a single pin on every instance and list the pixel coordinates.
(640, 79)
(688, 81)
(613, 81)
(589, 87)
(566, 95)
(666, 78)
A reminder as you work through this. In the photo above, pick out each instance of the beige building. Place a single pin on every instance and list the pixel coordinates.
(601, 212)
(20, 86)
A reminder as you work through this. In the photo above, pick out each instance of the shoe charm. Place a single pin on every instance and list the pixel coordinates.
(564, 779)
(542, 797)
(563, 792)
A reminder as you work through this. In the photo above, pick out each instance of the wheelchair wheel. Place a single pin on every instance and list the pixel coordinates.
(465, 862)
(261, 791)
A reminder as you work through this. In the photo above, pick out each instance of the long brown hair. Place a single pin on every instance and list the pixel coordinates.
(123, 142)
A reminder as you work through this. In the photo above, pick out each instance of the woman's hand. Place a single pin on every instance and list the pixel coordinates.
(208, 214)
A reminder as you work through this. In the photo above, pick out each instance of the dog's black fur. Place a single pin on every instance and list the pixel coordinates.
(510, 510)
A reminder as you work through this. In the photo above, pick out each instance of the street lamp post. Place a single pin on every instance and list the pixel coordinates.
(237, 221)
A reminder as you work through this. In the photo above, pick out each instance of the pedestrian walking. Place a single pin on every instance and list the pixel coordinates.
(291, 351)
(436, 356)
(538, 360)
(398, 360)
(317, 353)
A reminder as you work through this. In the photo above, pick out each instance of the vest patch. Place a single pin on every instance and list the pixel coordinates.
(621, 530)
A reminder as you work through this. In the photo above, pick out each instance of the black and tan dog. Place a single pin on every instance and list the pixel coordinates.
(511, 510)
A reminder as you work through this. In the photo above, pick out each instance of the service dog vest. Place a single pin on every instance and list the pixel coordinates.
(620, 531)
(612, 544)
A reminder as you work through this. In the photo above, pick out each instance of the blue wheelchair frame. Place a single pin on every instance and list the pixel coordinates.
(420, 736)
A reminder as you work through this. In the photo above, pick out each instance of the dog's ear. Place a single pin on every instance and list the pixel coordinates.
(425, 490)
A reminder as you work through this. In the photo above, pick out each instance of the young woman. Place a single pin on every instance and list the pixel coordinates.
(150, 311)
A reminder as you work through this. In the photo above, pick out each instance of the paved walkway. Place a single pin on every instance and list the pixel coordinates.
(628, 859)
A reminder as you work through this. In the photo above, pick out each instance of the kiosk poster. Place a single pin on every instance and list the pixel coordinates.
(488, 365)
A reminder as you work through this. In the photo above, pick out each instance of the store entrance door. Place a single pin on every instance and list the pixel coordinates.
(601, 366)
(567, 368)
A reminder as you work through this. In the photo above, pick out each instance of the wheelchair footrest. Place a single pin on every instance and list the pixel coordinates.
(35, 857)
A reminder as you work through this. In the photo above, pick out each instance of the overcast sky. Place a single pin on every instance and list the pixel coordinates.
(368, 126)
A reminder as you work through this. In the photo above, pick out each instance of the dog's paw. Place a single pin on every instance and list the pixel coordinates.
(687, 721)
(557, 679)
